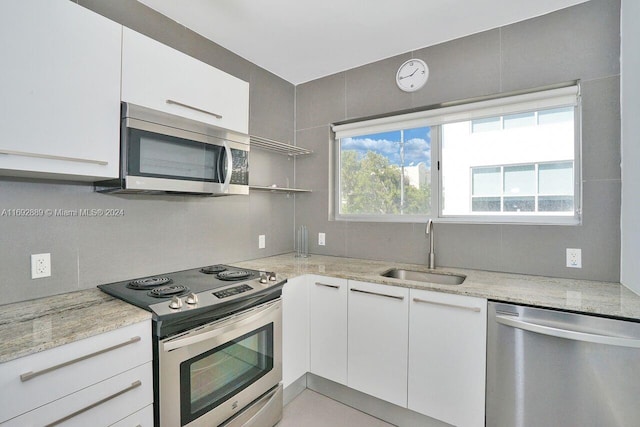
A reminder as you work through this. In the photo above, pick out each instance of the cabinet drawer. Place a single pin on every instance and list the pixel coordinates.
(55, 373)
(142, 418)
(101, 404)
(159, 77)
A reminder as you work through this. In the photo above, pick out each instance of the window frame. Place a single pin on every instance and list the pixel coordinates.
(558, 96)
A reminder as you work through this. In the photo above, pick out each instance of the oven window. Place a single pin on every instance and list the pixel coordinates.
(215, 376)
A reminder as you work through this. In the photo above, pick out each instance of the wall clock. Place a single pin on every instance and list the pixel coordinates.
(412, 75)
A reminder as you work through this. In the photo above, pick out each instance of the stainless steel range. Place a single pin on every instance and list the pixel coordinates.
(217, 334)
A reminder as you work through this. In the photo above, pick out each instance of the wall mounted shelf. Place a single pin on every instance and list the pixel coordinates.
(277, 146)
(278, 189)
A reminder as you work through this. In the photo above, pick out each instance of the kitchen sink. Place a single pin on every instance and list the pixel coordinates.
(425, 276)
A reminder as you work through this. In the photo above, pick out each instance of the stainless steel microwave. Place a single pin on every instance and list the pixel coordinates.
(161, 153)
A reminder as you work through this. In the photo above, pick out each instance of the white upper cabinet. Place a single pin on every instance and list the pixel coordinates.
(60, 91)
(328, 328)
(447, 355)
(159, 77)
(378, 340)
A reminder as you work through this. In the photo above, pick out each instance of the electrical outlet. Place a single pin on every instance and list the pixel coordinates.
(574, 258)
(262, 242)
(40, 265)
(320, 239)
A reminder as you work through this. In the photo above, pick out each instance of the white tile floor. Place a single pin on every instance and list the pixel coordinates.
(311, 409)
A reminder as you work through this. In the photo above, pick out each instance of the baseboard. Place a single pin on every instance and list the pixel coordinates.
(294, 389)
(373, 406)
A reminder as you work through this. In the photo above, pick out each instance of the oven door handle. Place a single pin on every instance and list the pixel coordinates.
(221, 327)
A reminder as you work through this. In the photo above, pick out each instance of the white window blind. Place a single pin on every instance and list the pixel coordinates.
(553, 98)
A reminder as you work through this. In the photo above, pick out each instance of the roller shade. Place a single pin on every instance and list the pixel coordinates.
(542, 100)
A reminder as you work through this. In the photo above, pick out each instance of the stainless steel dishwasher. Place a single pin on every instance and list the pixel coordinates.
(550, 368)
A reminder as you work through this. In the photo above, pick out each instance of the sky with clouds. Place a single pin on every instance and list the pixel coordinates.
(417, 145)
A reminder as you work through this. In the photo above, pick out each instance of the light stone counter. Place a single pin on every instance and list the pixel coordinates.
(32, 326)
(603, 298)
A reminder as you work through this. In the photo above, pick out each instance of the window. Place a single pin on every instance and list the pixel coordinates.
(385, 174)
(510, 159)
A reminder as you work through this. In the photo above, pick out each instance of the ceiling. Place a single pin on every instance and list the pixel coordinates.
(305, 40)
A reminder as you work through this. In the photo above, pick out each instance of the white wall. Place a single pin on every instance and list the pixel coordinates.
(630, 112)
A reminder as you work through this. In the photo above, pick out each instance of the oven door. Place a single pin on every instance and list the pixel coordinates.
(210, 373)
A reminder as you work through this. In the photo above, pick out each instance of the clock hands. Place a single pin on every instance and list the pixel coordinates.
(410, 75)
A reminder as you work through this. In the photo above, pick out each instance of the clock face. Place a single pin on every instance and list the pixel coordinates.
(412, 75)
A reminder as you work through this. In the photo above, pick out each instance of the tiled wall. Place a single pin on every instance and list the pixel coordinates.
(581, 42)
(157, 234)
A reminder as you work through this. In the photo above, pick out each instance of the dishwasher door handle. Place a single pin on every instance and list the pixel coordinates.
(568, 334)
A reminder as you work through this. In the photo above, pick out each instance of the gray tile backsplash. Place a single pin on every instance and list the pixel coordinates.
(474, 69)
(160, 234)
(368, 91)
(581, 42)
(601, 128)
(156, 234)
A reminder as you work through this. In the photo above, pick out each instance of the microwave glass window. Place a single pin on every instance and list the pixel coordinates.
(164, 156)
(211, 378)
(168, 158)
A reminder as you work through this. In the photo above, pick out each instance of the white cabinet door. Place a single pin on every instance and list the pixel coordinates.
(447, 356)
(60, 91)
(159, 77)
(295, 330)
(378, 340)
(328, 327)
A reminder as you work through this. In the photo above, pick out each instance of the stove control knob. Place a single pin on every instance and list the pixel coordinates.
(175, 303)
(192, 299)
(263, 278)
(272, 277)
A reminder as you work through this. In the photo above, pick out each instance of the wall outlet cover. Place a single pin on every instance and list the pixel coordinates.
(262, 241)
(40, 266)
(321, 237)
(574, 258)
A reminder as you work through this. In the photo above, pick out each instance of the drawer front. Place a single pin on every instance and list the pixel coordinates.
(142, 418)
(101, 404)
(63, 370)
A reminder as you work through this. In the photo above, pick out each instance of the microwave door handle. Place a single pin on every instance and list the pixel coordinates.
(227, 178)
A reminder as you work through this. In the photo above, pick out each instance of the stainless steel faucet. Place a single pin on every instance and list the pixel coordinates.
(432, 256)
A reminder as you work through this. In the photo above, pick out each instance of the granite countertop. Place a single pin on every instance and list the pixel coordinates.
(41, 324)
(585, 296)
(33, 326)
